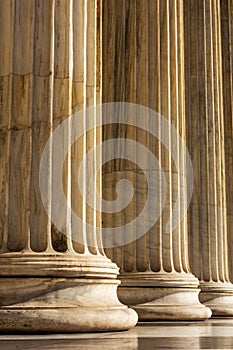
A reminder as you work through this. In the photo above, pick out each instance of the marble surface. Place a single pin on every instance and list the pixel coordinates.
(209, 232)
(146, 40)
(210, 334)
(49, 69)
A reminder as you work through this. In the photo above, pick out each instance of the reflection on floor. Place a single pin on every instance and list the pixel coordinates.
(211, 334)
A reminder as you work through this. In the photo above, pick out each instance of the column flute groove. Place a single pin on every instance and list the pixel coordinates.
(227, 59)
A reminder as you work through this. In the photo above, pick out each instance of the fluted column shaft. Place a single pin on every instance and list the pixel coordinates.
(50, 68)
(204, 107)
(146, 46)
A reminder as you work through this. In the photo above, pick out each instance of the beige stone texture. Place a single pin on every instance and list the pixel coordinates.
(143, 51)
(50, 282)
(205, 115)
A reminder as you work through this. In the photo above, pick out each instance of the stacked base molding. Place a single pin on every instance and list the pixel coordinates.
(79, 298)
(165, 296)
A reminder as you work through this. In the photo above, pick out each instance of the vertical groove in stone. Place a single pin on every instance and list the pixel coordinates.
(142, 95)
(155, 243)
(129, 256)
(21, 122)
(176, 120)
(99, 131)
(62, 99)
(184, 178)
(190, 16)
(42, 111)
(6, 68)
(227, 60)
(90, 94)
(222, 225)
(108, 79)
(119, 95)
(77, 105)
(165, 105)
(204, 107)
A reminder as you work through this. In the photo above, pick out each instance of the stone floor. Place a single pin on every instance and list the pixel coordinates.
(211, 334)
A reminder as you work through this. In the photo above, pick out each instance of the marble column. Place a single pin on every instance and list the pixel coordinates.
(144, 64)
(205, 120)
(50, 67)
(227, 71)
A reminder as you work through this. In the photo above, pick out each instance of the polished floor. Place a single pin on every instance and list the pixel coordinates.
(211, 334)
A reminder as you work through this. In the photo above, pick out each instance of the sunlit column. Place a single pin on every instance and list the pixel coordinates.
(205, 125)
(54, 278)
(143, 51)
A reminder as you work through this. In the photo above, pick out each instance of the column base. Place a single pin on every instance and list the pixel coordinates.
(218, 296)
(169, 302)
(62, 305)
